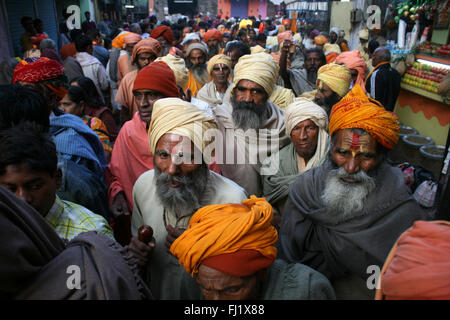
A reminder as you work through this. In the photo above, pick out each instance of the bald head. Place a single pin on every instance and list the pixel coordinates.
(381, 54)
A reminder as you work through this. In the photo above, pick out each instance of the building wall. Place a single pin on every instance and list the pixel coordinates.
(224, 8)
(205, 6)
(340, 17)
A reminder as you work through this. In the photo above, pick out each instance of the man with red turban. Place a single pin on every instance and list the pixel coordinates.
(343, 217)
(358, 67)
(144, 52)
(165, 37)
(232, 245)
(213, 38)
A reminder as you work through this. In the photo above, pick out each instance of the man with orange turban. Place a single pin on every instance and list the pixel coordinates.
(144, 52)
(213, 38)
(358, 67)
(164, 35)
(124, 63)
(180, 183)
(232, 245)
(343, 217)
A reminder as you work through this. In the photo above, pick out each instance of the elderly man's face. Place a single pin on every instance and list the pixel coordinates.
(355, 152)
(144, 59)
(304, 137)
(196, 56)
(250, 91)
(217, 285)
(313, 61)
(145, 100)
(220, 73)
(325, 97)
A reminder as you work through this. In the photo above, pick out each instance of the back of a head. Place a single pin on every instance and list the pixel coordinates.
(82, 43)
(237, 45)
(18, 103)
(383, 53)
(373, 45)
(90, 89)
(27, 143)
(75, 33)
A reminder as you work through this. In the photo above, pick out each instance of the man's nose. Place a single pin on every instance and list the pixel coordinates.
(303, 134)
(352, 165)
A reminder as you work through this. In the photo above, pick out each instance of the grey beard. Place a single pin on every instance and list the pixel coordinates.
(187, 198)
(346, 200)
(200, 72)
(248, 115)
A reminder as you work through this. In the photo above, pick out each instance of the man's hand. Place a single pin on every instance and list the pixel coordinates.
(119, 206)
(172, 234)
(286, 46)
(141, 251)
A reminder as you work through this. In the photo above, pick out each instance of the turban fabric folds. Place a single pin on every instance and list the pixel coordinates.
(320, 40)
(303, 109)
(218, 59)
(173, 115)
(260, 68)
(356, 110)
(336, 76)
(353, 60)
(159, 77)
(149, 45)
(119, 42)
(163, 31)
(178, 67)
(212, 34)
(236, 239)
(257, 49)
(131, 38)
(418, 266)
(283, 36)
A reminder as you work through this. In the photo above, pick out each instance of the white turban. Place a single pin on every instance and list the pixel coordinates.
(178, 67)
(173, 115)
(303, 109)
(218, 59)
(260, 68)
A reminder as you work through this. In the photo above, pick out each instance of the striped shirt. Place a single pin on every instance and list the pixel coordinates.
(70, 219)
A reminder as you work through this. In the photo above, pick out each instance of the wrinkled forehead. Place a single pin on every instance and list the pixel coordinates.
(348, 139)
(174, 143)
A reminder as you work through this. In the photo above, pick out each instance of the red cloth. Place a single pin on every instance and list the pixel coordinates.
(418, 266)
(212, 34)
(241, 263)
(159, 77)
(164, 31)
(40, 70)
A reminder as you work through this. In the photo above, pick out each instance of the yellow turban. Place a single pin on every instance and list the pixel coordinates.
(257, 49)
(303, 109)
(320, 40)
(336, 76)
(178, 67)
(281, 97)
(330, 47)
(218, 59)
(356, 110)
(220, 231)
(261, 68)
(173, 115)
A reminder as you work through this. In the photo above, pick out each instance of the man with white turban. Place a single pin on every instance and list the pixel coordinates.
(166, 197)
(219, 68)
(247, 113)
(307, 126)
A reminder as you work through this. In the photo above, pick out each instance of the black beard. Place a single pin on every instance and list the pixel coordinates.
(185, 199)
(328, 103)
(312, 75)
(248, 115)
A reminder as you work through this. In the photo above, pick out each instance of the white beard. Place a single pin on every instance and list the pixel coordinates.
(345, 200)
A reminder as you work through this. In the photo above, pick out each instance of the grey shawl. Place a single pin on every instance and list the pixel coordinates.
(309, 234)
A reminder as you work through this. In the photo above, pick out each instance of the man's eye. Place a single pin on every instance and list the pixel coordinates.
(35, 187)
(342, 152)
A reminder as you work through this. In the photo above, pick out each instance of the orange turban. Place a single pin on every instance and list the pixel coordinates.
(132, 38)
(164, 31)
(320, 40)
(236, 239)
(212, 34)
(418, 266)
(356, 110)
(119, 41)
(146, 45)
(353, 60)
(283, 36)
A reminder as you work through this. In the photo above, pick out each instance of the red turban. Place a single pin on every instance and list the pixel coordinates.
(164, 31)
(212, 34)
(159, 77)
(40, 70)
(418, 266)
(68, 50)
(146, 45)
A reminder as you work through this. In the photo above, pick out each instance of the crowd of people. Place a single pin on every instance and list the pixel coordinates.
(257, 151)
